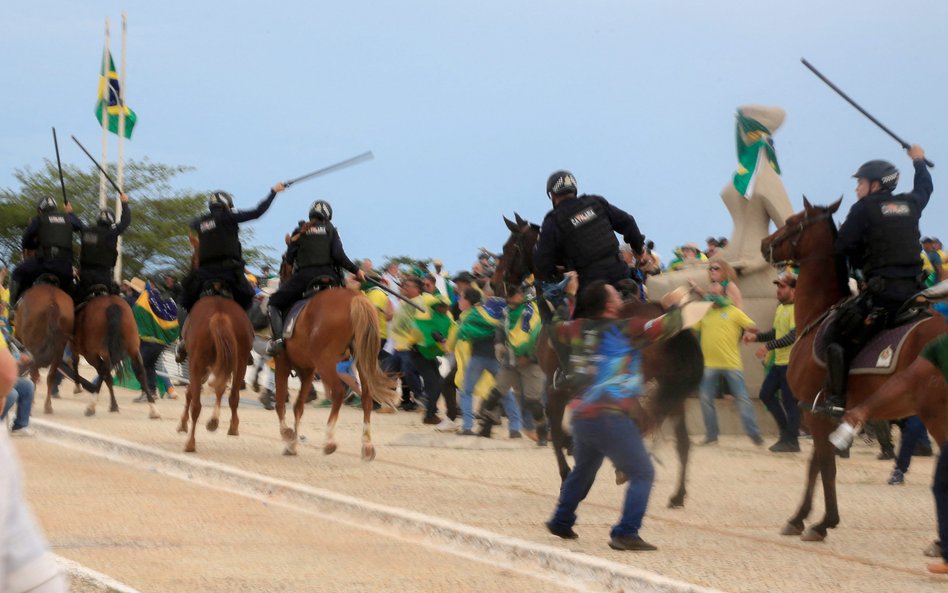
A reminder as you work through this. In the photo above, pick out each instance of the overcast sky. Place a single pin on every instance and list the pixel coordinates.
(468, 106)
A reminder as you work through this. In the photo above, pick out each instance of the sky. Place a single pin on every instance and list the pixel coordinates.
(469, 106)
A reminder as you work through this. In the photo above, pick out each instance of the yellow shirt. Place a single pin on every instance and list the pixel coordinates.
(380, 300)
(721, 329)
(402, 329)
(783, 323)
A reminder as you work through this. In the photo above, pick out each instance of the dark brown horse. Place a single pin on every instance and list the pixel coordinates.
(333, 321)
(106, 333)
(807, 239)
(44, 323)
(675, 366)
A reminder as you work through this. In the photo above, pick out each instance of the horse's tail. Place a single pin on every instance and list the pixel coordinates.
(222, 332)
(44, 354)
(366, 344)
(114, 342)
(684, 364)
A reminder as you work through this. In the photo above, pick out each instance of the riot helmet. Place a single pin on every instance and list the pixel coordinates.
(320, 210)
(882, 171)
(560, 183)
(220, 199)
(47, 204)
(106, 217)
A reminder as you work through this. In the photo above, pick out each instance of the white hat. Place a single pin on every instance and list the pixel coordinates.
(137, 284)
(691, 311)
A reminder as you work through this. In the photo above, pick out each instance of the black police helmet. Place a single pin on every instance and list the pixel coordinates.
(220, 199)
(47, 204)
(106, 217)
(561, 182)
(882, 171)
(320, 210)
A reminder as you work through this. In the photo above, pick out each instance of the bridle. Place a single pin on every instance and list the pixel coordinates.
(794, 234)
(520, 255)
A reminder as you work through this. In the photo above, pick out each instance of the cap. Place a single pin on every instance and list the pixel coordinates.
(464, 277)
(437, 262)
(691, 245)
(927, 240)
(137, 284)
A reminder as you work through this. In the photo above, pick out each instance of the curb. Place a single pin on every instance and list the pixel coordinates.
(553, 563)
(103, 582)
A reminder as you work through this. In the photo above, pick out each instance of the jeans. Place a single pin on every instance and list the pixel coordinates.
(913, 430)
(940, 490)
(401, 362)
(617, 437)
(784, 410)
(512, 409)
(735, 382)
(22, 396)
(475, 368)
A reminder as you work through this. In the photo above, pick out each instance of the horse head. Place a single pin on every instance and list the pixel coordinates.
(516, 260)
(807, 234)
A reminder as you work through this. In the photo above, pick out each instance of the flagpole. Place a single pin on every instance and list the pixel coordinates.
(121, 148)
(105, 117)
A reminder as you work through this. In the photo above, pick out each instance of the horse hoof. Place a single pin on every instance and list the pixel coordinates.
(329, 449)
(791, 529)
(811, 535)
(48, 408)
(368, 453)
(190, 448)
(289, 451)
(114, 409)
(288, 434)
(675, 503)
(212, 425)
(182, 428)
(233, 432)
(90, 411)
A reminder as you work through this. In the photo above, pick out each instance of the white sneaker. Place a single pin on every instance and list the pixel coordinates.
(447, 425)
(26, 431)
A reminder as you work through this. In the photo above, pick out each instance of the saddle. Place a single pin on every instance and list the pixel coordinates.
(96, 290)
(881, 353)
(319, 284)
(47, 278)
(216, 288)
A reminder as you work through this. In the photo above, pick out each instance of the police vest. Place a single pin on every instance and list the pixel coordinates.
(892, 238)
(315, 246)
(218, 241)
(587, 235)
(99, 248)
(55, 236)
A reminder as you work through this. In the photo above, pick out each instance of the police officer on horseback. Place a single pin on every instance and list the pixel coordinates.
(99, 250)
(220, 258)
(49, 234)
(880, 239)
(579, 233)
(315, 250)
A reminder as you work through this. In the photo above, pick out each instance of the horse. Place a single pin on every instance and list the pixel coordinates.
(44, 324)
(807, 239)
(106, 333)
(675, 366)
(331, 322)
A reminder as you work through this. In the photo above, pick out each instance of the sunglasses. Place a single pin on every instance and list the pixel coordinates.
(714, 268)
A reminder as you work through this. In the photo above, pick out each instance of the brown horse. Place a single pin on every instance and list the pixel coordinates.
(218, 337)
(44, 323)
(675, 366)
(106, 333)
(807, 239)
(333, 321)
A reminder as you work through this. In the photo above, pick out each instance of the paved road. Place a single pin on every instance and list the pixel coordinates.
(158, 533)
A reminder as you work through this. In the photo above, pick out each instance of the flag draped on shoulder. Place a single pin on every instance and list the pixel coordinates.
(157, 318)
(483, 320)
(109, 101)
(753, 140)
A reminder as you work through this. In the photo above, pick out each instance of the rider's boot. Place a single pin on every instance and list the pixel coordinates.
(180, 354)
(833, 403)
(490, 413)
(275, 346)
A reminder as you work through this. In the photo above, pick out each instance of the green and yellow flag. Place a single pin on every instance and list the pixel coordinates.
(753, 138)
(109, 101)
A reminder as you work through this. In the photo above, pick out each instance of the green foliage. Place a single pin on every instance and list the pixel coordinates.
(156, 240)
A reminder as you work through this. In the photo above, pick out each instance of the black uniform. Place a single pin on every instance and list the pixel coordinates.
(579, 233)
(220, 257)
(880, 238)
(317, 252)
(99, 252)
(50, 235)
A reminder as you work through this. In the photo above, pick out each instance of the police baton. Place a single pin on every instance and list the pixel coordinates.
(91, 158)
(839, 92)
(365, 156)
(393, 293)
(59, 165)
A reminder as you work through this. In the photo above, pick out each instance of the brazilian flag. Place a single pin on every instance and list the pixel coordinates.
(753, 139)
(157, 318)
(109, 101)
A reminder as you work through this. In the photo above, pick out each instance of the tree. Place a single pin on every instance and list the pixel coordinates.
(156, 240)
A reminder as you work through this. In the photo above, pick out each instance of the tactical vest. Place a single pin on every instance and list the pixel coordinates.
(587, 235)
(99, 248)
(218, 241)
(892, 238)
(55, 236)
(315, 246)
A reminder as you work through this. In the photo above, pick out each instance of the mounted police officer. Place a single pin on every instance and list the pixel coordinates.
(880, 240)
(220, 257)
(49, 234)
(99, 250)
(579, 234)
(314, 250)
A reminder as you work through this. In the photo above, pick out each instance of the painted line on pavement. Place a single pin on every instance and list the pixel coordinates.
(582, 570)
(104, 581)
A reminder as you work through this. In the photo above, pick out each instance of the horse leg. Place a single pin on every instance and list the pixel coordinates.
(138, 366)
(215, 418)
(77, 388)
(683, 447)
(281, 379)
(827, 465)
(556, 407)
(368, 449)
(94, 396)
(194, 403)
(183, 424)
(233, 401)
(299, 405)
(50, 375)
(795, 525)
(335, 386)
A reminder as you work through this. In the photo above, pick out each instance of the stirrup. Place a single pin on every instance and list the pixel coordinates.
(827, 408)
(275, 347)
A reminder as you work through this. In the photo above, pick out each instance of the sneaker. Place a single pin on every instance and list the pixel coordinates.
(563, 532)
(933, 550)
(886, 455)
(266, 399)
(355, 401)
(467, 432)
(141, 398)
(897, 478)
(325, 403)
(922, 451)
(940, 568)
(785, 447)
(757, 440)
(632, 543)
(26, 431)
(515, 434)
(435, 419)
(447, 425)
(707, 442)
